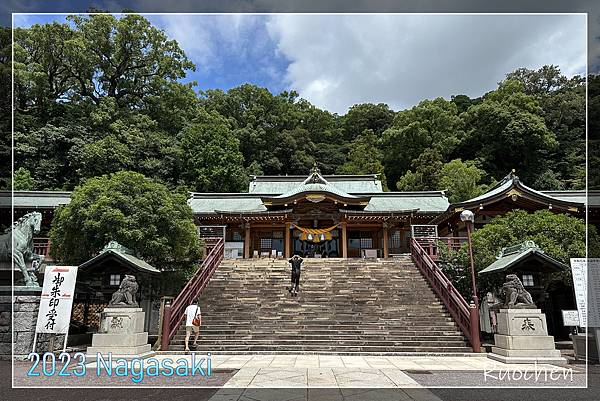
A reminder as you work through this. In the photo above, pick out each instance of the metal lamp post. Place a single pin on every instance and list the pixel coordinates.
(469, 218)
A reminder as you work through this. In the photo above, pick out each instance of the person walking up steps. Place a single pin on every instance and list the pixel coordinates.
(193, 318)
(296, 262)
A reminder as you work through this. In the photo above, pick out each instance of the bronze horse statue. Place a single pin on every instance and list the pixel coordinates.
(21, 233)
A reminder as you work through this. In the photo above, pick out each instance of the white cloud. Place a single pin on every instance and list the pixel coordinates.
(338, 61)
(207, 40)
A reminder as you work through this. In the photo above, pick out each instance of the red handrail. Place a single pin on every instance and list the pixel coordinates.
(430, 244)
(466, 316)
(173, 314)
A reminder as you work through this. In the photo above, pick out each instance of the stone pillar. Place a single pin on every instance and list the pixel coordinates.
(247, 241)
(523, 338)
(386, 241)
(122, 334)
(344, 241)
(287, 248)
(25, 305)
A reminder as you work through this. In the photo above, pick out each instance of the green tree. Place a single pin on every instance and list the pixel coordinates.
(211, 160)
(46, 153)
(329, 157)
(364, 157)
(562, 100)
(131, 209)
(427, 173)
(294, 152)
(462, 180)
(507, 131)
(104, 156)
(22, 180)
(376, 117)
(100, 55)
(259, 121)
(463, 102)
(431, 124)
(560, 236)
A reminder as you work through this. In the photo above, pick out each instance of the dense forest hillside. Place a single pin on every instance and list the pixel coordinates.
(101, 94)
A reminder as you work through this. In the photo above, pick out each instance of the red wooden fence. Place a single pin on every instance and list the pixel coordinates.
(173, 314)
(466, 316)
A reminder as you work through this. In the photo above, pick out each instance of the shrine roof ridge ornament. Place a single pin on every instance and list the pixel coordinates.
(315, 184)
(509, 250)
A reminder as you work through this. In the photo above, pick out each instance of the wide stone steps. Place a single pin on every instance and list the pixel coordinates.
(344, 306)
(332, 348)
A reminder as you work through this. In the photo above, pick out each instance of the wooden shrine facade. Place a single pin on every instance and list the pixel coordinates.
(315, 217)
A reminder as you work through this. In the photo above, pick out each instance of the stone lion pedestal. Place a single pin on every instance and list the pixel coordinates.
(121, 334)
(523, 338)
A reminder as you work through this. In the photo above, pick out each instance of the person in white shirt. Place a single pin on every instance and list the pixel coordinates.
(191, 312)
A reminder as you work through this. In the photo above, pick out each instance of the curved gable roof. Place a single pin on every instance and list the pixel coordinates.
(511, 186)
(316, 184)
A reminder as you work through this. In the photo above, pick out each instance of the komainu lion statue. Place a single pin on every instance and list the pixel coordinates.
(516, 294)
(125, 295)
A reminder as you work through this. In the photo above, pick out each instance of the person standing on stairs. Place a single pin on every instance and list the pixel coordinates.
(296, 262)
(193, 318)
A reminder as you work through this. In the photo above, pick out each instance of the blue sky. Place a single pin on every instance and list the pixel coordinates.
(222, 60)
(335, 61)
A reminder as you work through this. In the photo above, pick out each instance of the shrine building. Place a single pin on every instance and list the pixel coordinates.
(348, 216)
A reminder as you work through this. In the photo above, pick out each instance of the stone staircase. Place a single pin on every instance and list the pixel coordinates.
(344, 306)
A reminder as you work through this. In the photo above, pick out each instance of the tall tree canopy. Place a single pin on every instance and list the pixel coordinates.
(432, 124)
(156, 223)
(98, 55)
(376, 117)
(210, 156)
(103, 93)
(364, 157)
(507, 131)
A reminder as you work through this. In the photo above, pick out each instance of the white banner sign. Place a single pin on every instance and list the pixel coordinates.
(56, 301)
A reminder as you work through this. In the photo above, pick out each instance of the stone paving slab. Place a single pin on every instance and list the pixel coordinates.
(412, 363)
(325, 394)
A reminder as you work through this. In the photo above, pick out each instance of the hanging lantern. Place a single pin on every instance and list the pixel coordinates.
(309, 237)
(322, 237)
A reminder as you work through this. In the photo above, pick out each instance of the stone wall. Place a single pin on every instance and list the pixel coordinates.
(25, 306)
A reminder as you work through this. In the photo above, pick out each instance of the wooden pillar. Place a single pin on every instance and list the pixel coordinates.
(386, 242)
(247, 241)
(344, 241)
(287, 248)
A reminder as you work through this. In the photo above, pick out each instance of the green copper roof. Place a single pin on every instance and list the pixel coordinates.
(425, 202)
(122, 253)
(34, 199)
(351, 184)
(592, 199)
(234, 202)
(512, 255)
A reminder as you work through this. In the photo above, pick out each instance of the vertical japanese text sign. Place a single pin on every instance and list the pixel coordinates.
(56, 301)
